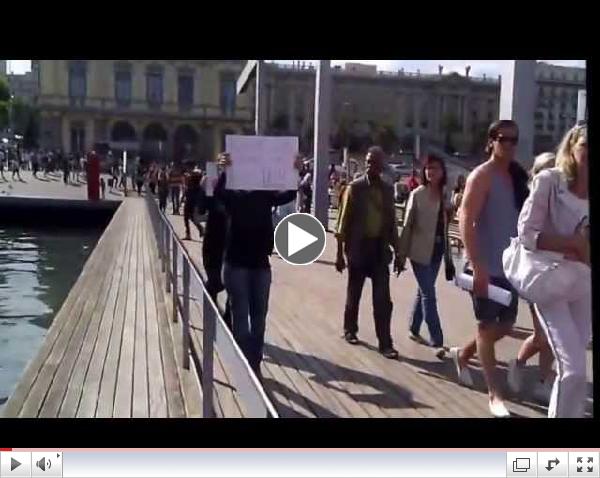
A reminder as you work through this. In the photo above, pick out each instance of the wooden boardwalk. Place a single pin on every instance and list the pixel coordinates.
(112, 350)
(310, 371)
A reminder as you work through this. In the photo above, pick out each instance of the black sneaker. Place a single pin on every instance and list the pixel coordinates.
(389, 353)
(351, 338)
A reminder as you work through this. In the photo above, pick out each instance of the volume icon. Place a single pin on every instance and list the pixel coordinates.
(43, 464)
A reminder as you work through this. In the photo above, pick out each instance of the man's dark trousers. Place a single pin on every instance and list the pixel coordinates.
(382, 304)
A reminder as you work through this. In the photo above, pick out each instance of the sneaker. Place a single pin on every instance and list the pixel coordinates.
(440, 353)
(389, 353)
(417, 338)
(351, 338)
(187, 238)
(515, 376)
(464, 375)
(542, 391)
(498, 409)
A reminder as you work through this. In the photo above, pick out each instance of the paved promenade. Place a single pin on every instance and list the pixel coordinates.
(311, 371)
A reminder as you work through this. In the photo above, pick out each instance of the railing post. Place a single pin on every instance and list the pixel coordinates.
(208, 345)
(175, 279)
(162, 241)
(186, 314)
(167, 260)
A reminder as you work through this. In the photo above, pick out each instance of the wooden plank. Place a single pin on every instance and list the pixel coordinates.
(62, 320)
(69, 377)
(156, 381)
(39, 389)
(124, 388)
(91, 387)
(225, 394)
(106, 395)
(140, 405)
(173, 387)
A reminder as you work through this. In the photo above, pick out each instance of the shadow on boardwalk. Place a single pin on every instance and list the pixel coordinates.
(388, 395)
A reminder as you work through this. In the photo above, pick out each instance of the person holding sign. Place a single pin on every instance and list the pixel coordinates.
(247, 272)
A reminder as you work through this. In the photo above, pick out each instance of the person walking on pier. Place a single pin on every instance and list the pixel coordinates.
(536, 342)
(175, 183)
(191, 200)
(494, 194)
(247, 272)
(366, 230)
(15, 167)
(163, 189)
(424, 240)
(2, 159)
(213, 245)
(66, 170)
(555, 218)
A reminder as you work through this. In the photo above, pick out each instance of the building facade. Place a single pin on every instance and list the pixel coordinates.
(24, 86)
(363, 98)
(556, 108)
(160, 109)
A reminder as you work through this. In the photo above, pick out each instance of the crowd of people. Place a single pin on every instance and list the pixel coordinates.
(498, 201)
(14, 160)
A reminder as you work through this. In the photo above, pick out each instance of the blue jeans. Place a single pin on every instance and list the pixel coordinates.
(426, 302)
(248, 293)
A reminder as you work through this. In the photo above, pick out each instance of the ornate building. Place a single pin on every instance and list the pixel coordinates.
(431, 105)
(161, 109)
(556, 107)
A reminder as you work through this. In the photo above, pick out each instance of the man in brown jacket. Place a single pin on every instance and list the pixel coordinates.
(366, 229)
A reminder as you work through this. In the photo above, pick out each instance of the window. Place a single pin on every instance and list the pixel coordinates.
(228, 94)
(77, 80)
(185, 90)
(123, 86)
(154, 86)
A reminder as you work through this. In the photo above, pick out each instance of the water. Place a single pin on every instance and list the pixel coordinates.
(37, 270)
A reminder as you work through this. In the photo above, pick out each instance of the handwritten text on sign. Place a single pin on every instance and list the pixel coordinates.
(262, 162)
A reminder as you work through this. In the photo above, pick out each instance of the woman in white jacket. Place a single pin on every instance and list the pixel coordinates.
(552, 220)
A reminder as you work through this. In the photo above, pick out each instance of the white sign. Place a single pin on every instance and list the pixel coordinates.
(211, 178)
(262, 162)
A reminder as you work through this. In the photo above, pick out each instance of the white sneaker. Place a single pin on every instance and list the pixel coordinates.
(498, 409)
(464, 375)
(543, 390)
(515, 376)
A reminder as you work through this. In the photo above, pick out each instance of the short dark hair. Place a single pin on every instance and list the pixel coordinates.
(495, 128)
(432, 158)
(376, 151)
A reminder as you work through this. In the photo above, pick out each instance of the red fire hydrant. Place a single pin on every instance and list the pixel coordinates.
(93, 176)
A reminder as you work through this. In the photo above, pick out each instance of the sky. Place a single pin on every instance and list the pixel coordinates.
(478, 67)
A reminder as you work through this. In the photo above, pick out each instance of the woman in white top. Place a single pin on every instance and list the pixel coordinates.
(552, 220)
(536, 342)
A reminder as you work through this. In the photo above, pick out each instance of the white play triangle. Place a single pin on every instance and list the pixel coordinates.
(298, 239)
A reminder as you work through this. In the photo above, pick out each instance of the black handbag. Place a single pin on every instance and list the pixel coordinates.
(449, 266)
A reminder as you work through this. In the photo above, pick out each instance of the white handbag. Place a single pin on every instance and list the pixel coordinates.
(542, 277)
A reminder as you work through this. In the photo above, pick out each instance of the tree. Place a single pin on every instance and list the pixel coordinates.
(385, 136)
(450, 125)
(4, 103)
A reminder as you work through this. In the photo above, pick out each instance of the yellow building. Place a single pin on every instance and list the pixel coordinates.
(167, 109)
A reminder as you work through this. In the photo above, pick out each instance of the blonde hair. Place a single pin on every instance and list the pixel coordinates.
(543, 161)
(564, 157)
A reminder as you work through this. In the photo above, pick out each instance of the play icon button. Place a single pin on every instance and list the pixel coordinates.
(14, 464)
(299, 239)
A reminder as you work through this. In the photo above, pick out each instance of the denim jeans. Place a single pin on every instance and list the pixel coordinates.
(426, 303)
(248, 292)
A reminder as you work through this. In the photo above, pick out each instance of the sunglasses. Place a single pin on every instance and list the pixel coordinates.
(514, 140)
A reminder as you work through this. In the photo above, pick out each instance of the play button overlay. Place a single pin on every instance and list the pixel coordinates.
(299, 239)
(14, 464)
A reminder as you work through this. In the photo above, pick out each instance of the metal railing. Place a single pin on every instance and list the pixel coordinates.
(186, 285)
